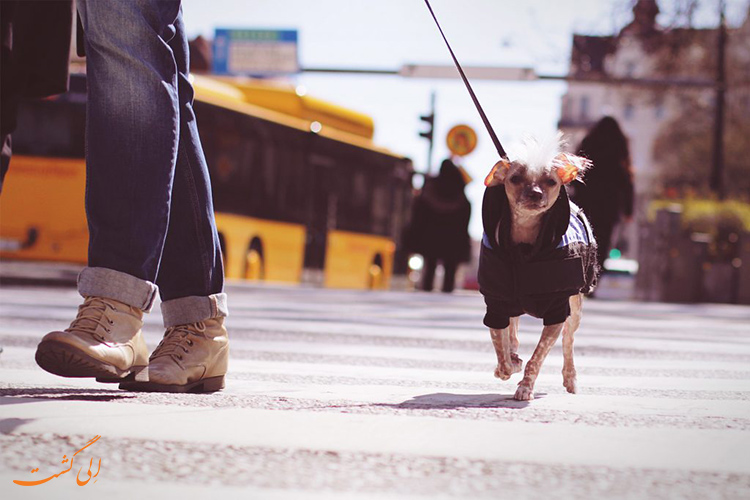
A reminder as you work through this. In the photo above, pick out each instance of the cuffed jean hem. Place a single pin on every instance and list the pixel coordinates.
(111, 284)
(187, 310)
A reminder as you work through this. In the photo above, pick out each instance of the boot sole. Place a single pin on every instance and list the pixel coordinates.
(67, 361)
(211, 384)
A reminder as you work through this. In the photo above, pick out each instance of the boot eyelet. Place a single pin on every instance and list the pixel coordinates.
(110, 321)
(190, 343)
(179, 356)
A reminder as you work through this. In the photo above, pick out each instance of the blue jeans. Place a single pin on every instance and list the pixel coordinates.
(148, 194)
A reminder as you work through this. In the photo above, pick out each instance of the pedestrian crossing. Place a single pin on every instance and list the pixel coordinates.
(348, 394)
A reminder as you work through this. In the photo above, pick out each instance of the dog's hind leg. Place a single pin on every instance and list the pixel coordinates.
(571, 325)
(525, 391)
(515, 360)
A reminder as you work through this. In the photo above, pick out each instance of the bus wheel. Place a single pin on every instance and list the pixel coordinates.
(254, 261)
(375, 278)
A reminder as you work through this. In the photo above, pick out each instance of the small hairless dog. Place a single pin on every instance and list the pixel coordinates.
(538, 257)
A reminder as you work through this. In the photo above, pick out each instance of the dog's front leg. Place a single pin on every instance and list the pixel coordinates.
(501, 342)
(515, 360)
(525, 391)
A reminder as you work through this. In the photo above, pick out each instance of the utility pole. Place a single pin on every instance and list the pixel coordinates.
(717, 171)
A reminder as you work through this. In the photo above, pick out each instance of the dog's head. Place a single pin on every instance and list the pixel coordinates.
(534, 178)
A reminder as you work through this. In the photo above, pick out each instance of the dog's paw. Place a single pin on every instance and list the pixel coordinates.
(499, 373)
(524, 393)
(516, 362)
(570, 384)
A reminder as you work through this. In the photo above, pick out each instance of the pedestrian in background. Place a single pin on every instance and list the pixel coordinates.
(149, 208)
(606, 195)
(439, 228)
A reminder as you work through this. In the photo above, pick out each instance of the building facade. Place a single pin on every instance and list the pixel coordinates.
(643, 77)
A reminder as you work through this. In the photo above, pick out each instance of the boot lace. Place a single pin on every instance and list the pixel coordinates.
(91, 315)
(177, 341)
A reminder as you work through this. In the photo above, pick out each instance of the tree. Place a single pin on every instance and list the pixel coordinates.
(684, 145)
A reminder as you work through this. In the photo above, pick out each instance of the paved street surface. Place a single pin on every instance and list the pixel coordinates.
(356, 395)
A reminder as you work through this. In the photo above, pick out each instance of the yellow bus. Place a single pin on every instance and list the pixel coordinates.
(301, 192)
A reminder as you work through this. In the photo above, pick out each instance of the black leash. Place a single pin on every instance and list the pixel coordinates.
(487, 124)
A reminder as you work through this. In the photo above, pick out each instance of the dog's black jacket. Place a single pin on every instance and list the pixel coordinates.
(534, 279)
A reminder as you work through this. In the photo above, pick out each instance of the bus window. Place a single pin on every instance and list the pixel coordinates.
(227, 153)
(292, 191)
(356, 215)
(382, 209)
(51, 128)
(269, 170)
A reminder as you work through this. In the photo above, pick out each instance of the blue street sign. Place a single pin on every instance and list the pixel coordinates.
(255, 52)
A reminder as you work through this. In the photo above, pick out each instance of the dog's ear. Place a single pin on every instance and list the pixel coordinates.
(570, 167)
(498, 173)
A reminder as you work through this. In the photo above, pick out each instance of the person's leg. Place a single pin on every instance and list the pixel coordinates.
(603, 233)
(191, 275)
(5, 154)
(131, 143)
(8, 97)
(131, 137)
(194, 352)
(449, 278)
(428, 273)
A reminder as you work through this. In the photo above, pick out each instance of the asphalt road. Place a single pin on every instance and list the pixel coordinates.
(369, 395)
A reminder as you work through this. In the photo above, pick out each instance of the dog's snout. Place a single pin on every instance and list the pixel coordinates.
(534, 193)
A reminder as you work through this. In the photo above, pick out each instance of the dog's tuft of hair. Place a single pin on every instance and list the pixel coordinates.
(538, 155)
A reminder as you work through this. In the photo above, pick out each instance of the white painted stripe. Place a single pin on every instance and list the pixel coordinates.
(426, 355)
(639, 448)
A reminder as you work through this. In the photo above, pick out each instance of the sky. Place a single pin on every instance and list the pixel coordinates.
(386, 34)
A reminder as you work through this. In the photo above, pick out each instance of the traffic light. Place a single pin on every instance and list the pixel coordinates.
(430, 119)
(429, 133)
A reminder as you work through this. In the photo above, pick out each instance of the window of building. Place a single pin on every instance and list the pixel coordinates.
(584, 108)
(629, 111)
(659, 109)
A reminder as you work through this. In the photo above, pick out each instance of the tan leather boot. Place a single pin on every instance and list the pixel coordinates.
(104, 341)
(190, 358)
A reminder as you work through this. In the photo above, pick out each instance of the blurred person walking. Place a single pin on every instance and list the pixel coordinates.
(606, 196)
(149, 209)
(31, 66)
(34, 62)
(439, 229)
